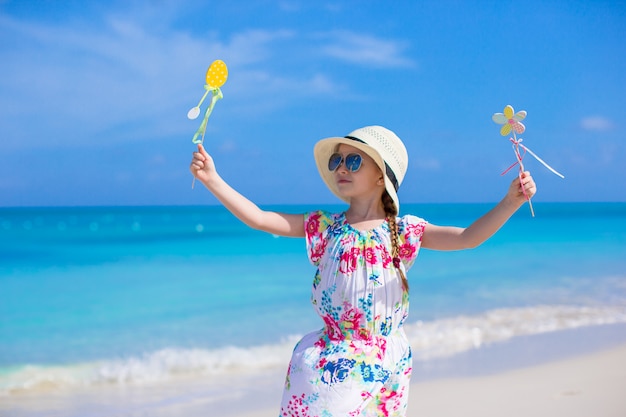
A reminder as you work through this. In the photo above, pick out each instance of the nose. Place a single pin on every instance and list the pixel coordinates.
(342, 167)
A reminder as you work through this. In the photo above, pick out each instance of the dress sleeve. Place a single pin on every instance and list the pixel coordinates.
(410, 231)
(315, 225)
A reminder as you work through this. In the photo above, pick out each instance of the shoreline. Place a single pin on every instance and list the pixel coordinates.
(571, 372)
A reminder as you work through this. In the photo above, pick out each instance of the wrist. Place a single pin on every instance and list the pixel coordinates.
(212, 181)
(513, 203)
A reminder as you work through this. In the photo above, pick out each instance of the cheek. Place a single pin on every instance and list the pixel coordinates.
(375, 179)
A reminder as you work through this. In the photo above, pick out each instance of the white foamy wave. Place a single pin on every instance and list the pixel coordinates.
(151, 367)
(429, 340)
(450, 336)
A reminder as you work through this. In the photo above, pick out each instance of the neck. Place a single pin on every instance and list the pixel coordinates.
(361, 211)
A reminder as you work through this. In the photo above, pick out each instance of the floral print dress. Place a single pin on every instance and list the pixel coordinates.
(359, 364)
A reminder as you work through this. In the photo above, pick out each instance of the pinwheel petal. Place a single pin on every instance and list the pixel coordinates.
(509, 112)
(518, 127)
(499, 118)
(520, 115)
(506, 129)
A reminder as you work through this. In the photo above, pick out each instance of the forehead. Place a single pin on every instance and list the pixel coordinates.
(346, 149)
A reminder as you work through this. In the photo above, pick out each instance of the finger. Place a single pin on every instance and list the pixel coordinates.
(197, 160)
(202, 151)
(529, 183)
(526, 177)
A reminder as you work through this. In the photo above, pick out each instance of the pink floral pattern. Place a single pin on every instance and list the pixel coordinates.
(359, 363)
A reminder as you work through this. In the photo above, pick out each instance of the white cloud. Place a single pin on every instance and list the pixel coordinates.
(228, 146)
(596, 123)
(427, 164)
(289, 6)
(66, 85)
(366, 50)
(158, 159)
(130, 76)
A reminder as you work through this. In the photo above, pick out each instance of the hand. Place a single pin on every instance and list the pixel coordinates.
(516, 192)
(202, 165)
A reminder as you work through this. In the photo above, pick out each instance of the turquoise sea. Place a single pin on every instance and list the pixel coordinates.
(117, 297)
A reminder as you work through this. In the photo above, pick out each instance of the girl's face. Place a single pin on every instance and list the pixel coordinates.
(366, 182)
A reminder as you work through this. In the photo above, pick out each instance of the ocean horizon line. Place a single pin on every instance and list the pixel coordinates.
(320, 204)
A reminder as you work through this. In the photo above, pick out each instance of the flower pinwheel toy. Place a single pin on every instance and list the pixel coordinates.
(215, 77)
(512, 124)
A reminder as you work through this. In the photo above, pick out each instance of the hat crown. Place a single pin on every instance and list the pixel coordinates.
(388, 145)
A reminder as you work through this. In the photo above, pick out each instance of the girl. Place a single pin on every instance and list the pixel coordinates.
(359, 363)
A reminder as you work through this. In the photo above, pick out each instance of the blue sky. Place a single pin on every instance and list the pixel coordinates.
(94, 96)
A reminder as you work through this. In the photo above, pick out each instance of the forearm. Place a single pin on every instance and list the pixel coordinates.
(245, 210)
(241, 207)
(520, 190)
(203, 169)
(455, 238)
(487, 225)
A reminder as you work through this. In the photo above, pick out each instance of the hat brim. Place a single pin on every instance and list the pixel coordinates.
(326, 147)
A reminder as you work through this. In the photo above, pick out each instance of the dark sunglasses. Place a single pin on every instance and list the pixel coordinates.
(352, 160)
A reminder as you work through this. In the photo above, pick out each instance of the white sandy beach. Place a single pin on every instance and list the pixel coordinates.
(587, 386)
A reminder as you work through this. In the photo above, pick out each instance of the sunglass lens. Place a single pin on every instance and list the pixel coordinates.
(334, 161)
(353, 162)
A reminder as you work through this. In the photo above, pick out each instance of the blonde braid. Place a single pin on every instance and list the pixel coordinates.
(391, 212)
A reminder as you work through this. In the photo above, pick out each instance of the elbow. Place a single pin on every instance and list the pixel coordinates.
(472, 245)
(471, 240)
(256, 224)
(262, 222)
(253, 221)
(469, 243)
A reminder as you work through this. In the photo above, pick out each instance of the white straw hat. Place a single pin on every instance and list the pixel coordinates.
(381, 144)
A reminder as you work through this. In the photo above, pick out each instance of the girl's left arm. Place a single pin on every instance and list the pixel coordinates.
(455, 238)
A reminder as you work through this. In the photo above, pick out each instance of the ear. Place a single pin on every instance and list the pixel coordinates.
(381, 181)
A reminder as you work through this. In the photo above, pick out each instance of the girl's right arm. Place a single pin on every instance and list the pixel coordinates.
(203, 168)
